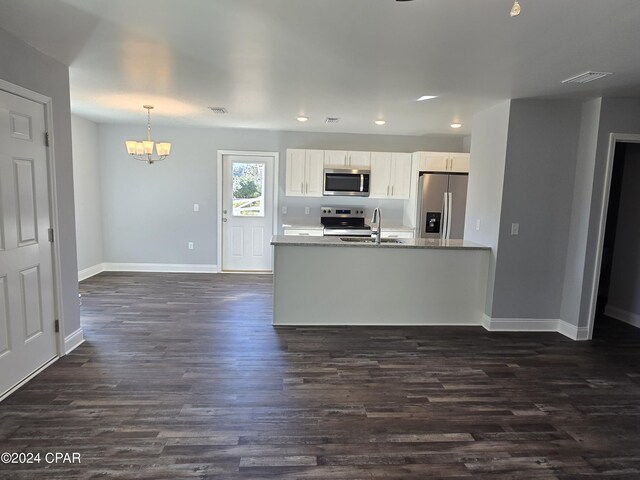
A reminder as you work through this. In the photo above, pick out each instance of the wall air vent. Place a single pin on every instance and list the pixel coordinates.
(219, 110)
(587, 77)
(331, 120)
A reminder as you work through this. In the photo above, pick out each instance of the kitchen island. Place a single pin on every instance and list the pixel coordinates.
(337, 281)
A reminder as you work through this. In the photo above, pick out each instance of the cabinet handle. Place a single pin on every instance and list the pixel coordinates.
(392, 236)
(392, 190)
(349, 160)
(303, 234)
(301, 187)
(387, 190)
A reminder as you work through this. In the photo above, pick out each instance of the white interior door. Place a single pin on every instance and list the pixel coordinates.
(247, 213)
(27, 333)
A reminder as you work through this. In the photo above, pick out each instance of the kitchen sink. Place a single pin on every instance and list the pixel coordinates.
(368, 240)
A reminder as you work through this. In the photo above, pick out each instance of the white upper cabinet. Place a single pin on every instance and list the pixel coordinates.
(304, 173)
(380, 177)
(443, 162)
(400, 175)
(341, 158)
(390, 175)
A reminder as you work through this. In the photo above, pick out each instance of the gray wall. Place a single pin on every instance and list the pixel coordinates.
(486, 178)
(537, 194)
(88, 198)
(617, 115)
(148, 209)
(579, 223)
(22, 65)
(624, 292)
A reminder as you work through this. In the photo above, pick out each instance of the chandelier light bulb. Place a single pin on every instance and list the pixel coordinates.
(516, 9)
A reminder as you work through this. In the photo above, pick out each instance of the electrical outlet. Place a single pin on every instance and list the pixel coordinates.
(515, 229)
(306, 210)
(284, 210)
(478, 224)
(190, 245)
(196, 207)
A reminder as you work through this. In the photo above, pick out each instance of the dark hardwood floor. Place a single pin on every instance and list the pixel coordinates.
(183, 376)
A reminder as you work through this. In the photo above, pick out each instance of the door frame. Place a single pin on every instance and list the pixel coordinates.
(614, 139)
(276, 192)
(47, 103)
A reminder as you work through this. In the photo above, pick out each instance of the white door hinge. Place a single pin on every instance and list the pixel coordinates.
(50, 235)
(56, 325)
(46, 139)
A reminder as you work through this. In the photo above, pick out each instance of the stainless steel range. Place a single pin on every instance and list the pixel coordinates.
(344, 222)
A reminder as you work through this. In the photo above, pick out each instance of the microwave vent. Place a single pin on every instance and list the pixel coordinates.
(587, 77)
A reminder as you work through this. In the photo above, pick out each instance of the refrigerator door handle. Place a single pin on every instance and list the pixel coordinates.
(449, 210)
(445, 215)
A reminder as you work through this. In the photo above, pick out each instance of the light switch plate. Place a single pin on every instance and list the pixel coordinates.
(478, 224)
(190, 245)
(515, 229)
(306, 210)
(284, 210)
(196, 207)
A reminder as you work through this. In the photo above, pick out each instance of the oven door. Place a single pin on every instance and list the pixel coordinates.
(350, 183)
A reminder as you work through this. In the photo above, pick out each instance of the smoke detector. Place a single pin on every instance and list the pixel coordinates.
(219, 110)
(331, 120)
(587, 77)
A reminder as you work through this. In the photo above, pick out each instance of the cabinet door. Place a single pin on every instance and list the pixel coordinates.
(459, 162)
(396, 233)
(400, 175)
(359, 159)
(314, 173)
(335, 158)
(295, 184)
(304, 232)
(380, 177)
(434, 162)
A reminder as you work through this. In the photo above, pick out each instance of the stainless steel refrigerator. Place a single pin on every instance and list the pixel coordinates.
(442, 203)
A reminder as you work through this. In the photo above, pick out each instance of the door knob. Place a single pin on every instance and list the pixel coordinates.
(224, 211)
(224, 219)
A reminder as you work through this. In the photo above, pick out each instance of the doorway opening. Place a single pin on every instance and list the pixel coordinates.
(247, 210)
(618, 294)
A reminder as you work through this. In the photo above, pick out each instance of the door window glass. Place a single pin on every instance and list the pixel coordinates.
(248, 189)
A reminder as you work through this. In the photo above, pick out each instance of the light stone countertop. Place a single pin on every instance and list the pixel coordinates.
(282, 240)
(317, 226)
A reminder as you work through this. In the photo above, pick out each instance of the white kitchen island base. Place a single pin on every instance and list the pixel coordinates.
(316, 283)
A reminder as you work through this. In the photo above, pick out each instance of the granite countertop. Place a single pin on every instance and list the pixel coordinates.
(282, 240)
(317, 226)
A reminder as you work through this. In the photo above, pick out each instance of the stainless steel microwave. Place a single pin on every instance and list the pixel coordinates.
(346, 182)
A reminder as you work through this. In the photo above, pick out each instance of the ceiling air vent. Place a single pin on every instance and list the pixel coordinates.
(331, 120)
(219, 110)
(587, 77)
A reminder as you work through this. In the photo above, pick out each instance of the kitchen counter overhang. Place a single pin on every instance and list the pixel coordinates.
(328, 281)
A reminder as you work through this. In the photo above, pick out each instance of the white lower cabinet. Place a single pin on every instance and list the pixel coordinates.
(304, 232)
(386, 233)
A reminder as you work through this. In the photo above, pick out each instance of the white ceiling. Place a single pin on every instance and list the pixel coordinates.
(360, 60)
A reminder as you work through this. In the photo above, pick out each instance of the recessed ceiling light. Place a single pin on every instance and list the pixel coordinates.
(426, 97)
(380, 122)
(456, 125)
(516, 9)
(302, 118)
(219, 110)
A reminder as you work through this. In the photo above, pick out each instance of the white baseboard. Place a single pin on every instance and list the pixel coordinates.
(90, 272)
(573, 332)
(160, 267)
(73, 341)
(535, 325)
(622, 315)
(28, 378)
(520, 324)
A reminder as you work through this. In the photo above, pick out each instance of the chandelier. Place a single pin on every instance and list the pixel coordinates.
(143, 150)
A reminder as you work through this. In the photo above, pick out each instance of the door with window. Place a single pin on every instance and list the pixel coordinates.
(27, 310)
(247, 212)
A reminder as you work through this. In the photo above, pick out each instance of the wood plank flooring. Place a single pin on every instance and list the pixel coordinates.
(183, 376)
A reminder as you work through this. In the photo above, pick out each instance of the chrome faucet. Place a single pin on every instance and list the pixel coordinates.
(377, 219)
